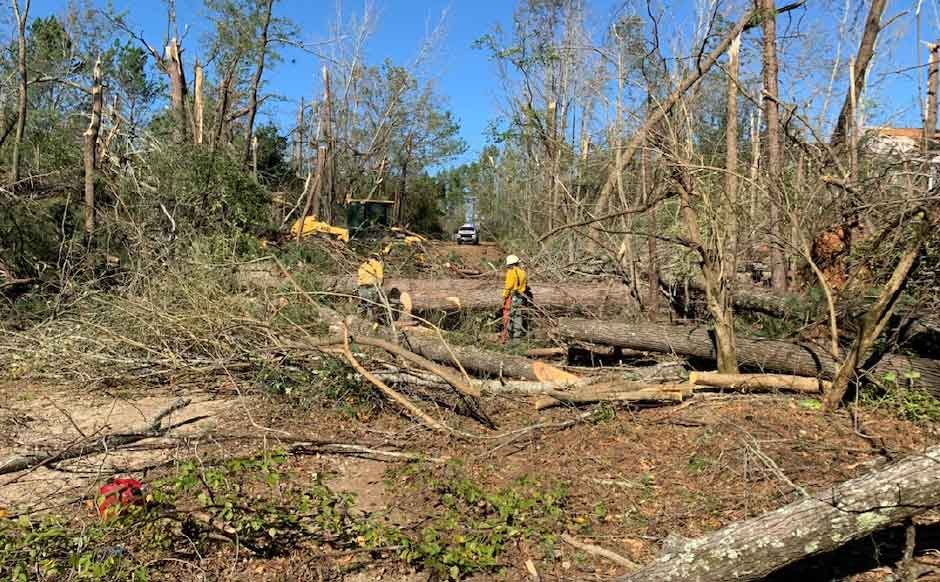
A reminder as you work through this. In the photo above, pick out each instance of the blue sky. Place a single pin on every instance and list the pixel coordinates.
(468, 80)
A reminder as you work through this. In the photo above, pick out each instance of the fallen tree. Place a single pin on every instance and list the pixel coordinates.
(485, 294)
(801, 359)
(481, 362)
(752, 549)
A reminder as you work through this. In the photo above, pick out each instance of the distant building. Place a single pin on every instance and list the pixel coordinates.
(903, 141)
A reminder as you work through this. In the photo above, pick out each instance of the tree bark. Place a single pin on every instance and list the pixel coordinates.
(90, 149)
(802, 359)
(400, 194)
(755, 548)
(22, 73)
(730, 205)
(256, 81)
(778, 267)
(866, 50)
(745, 300)
(933, 87)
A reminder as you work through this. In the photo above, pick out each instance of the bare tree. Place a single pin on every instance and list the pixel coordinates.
(21, 105)
(778, 266)
(866, 50)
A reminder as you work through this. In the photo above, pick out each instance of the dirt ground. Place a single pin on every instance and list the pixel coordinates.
(636, 479)
(482, 256)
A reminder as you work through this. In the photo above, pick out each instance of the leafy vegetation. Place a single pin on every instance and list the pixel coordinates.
(256, 504)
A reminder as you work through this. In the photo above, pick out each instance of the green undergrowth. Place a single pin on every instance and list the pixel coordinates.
(901, 398)
(249, 502)
(476, 525)
(267, 511)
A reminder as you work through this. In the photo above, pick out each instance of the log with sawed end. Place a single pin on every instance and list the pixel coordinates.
(759, 382)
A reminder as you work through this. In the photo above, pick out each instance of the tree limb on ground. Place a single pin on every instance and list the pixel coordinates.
(755, 548)
(618, 392)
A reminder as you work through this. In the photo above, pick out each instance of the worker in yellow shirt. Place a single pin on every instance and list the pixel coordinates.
(369, 281)
(515, 296)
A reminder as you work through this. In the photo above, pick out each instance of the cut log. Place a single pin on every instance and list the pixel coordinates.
(484, 294)
(625, 392)
(753, 549)
(801, 359)
(759, 382)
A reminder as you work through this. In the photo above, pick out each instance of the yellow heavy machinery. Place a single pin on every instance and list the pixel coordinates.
(312, 225)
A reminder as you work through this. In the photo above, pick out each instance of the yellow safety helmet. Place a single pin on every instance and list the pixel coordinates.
(512, 260)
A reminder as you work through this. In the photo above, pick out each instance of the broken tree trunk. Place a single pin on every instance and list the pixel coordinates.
(21, 102)
(198, 104)
(752, 549)
(90, 149)
(803, 359)
(933, 87)
(172, 65)
(875, 319)
(759, 382)
(658, 113)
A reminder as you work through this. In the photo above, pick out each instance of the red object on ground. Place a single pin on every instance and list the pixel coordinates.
(118, 493)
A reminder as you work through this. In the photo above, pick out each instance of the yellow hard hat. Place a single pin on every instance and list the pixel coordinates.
(511, 260)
